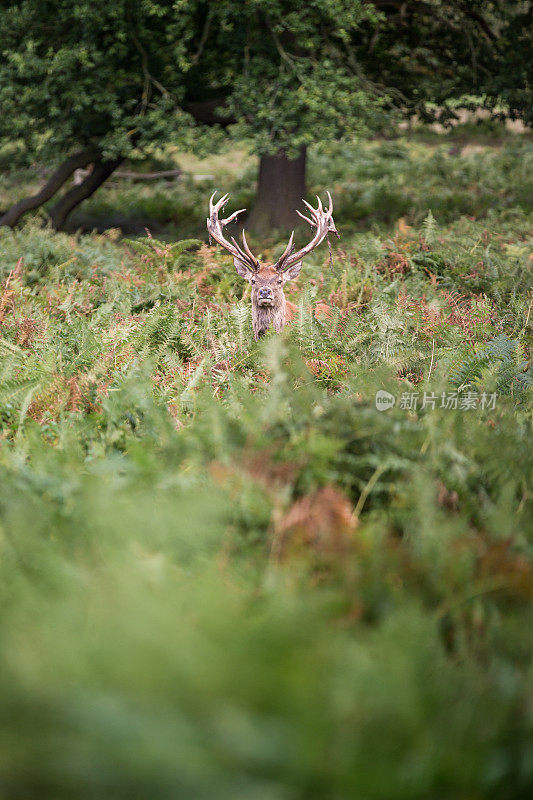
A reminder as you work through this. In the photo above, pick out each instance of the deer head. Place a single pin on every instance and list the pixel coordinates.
(267, 280)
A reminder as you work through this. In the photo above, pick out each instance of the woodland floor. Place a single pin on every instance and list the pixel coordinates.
(224, 571)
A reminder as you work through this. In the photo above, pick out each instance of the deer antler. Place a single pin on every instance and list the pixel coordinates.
(215, 226)
(322, 220)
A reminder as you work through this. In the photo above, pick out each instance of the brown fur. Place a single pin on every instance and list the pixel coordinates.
(268, 280)
(269, 310)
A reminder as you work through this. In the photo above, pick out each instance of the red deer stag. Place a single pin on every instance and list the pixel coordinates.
(267, 280)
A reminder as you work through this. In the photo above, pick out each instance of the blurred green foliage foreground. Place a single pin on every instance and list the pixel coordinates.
(223, 572)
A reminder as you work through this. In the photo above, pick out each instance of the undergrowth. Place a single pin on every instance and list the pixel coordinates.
(224, 571)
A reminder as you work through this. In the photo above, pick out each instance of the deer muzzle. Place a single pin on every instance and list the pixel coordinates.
(265, 297)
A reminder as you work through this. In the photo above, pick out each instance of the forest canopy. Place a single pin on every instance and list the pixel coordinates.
(99, 81)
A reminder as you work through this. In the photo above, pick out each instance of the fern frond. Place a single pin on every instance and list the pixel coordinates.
(429, 226)
(241, 316)
(187, 395)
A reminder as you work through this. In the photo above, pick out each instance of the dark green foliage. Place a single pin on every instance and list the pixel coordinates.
(501, 358)
(122, 77)
(76, 74)
(513, 81)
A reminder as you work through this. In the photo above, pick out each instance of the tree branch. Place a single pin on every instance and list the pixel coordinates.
(402, 6)
(53, 185)
(483, 24)
(99, 174)
(205, 33)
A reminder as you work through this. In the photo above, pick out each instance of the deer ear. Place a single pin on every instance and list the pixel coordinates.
(293, 272)
(242, 269)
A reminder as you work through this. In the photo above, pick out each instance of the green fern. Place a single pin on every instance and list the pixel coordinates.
(467, 368)
(429, 227)
(187, 395)
(306, 324)
(160, 332)
(503, 356)
(149, 245)
(389, 332)
(240, 313)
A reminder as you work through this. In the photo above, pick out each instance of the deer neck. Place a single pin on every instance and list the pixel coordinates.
(263, 317)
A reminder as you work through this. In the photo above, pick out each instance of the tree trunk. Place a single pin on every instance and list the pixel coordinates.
(53, 185)
(98, 175)
(279, 193)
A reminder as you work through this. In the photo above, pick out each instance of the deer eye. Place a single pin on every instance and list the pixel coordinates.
(280, 280)
(253, 281)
